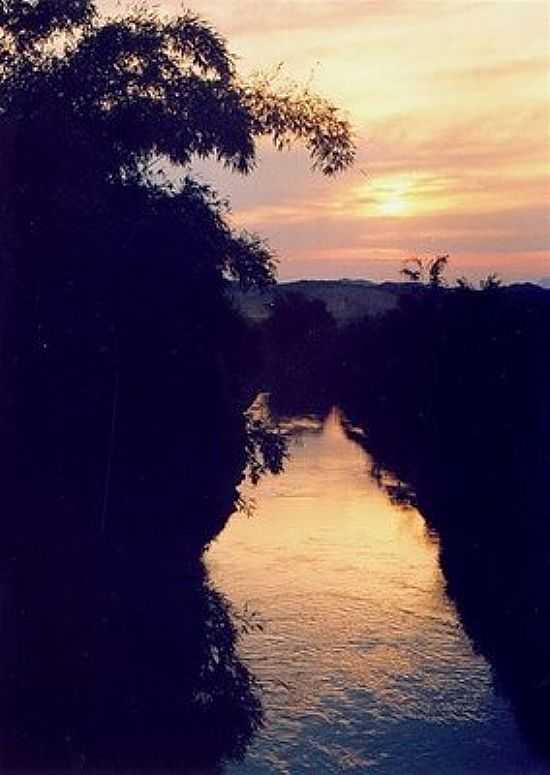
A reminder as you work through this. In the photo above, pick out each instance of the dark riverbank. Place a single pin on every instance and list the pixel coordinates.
(363, 660)
(448, 392)
(452, 390)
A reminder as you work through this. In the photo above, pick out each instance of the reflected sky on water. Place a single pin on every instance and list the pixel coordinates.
(363, 662)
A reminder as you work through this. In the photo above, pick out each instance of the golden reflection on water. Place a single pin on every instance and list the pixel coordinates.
(361, 653)
(339, 533)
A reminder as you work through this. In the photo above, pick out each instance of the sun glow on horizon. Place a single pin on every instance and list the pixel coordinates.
(395, 205)
(452, 133)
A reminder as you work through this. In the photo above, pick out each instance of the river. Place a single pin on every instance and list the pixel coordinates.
(361, 658)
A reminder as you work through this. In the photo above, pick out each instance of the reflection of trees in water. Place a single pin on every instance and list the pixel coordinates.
(125, 656)
(478, 476)
(127, 669)
(494, 558)
(126, 370)
(452, 391)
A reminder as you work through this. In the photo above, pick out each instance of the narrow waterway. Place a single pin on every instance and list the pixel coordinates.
(362, 662)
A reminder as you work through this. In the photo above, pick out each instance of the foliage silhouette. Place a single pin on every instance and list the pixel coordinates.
(126, 370)
(298, 340)
(142, 672)
(428, 271)
(452, 390)
(490, 282)
(116, 278)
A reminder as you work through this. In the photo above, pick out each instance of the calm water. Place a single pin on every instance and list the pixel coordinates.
(362, 660)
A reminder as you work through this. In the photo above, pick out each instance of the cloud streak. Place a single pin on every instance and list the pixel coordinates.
(451, 104)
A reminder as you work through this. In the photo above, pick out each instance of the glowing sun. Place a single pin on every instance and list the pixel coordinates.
(393, 205)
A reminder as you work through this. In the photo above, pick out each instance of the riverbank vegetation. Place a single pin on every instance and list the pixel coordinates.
(126, 371)
(452, 393)
(115, 312)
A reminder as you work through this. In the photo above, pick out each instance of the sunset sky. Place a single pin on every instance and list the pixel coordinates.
(450, 102)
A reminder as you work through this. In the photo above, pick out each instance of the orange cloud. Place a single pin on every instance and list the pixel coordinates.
(451, 104)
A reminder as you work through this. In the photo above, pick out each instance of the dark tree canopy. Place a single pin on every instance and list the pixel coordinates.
(113, 311)
(111, 274)
(126, 373)
(87, 99)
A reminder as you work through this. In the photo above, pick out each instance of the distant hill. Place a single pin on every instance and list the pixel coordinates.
(346, 300)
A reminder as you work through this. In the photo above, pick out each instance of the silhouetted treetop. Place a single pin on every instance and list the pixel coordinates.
(290, 113)
(25, 23)
(428, 271)
(117, 273)
(88, 101)
(148, 85)
(491, 282)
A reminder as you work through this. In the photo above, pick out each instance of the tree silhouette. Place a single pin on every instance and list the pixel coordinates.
(452, 391)
(427, 271)
(114, 276)
(126, 370)
(491, 282)
(299, 342)
(87, 100)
